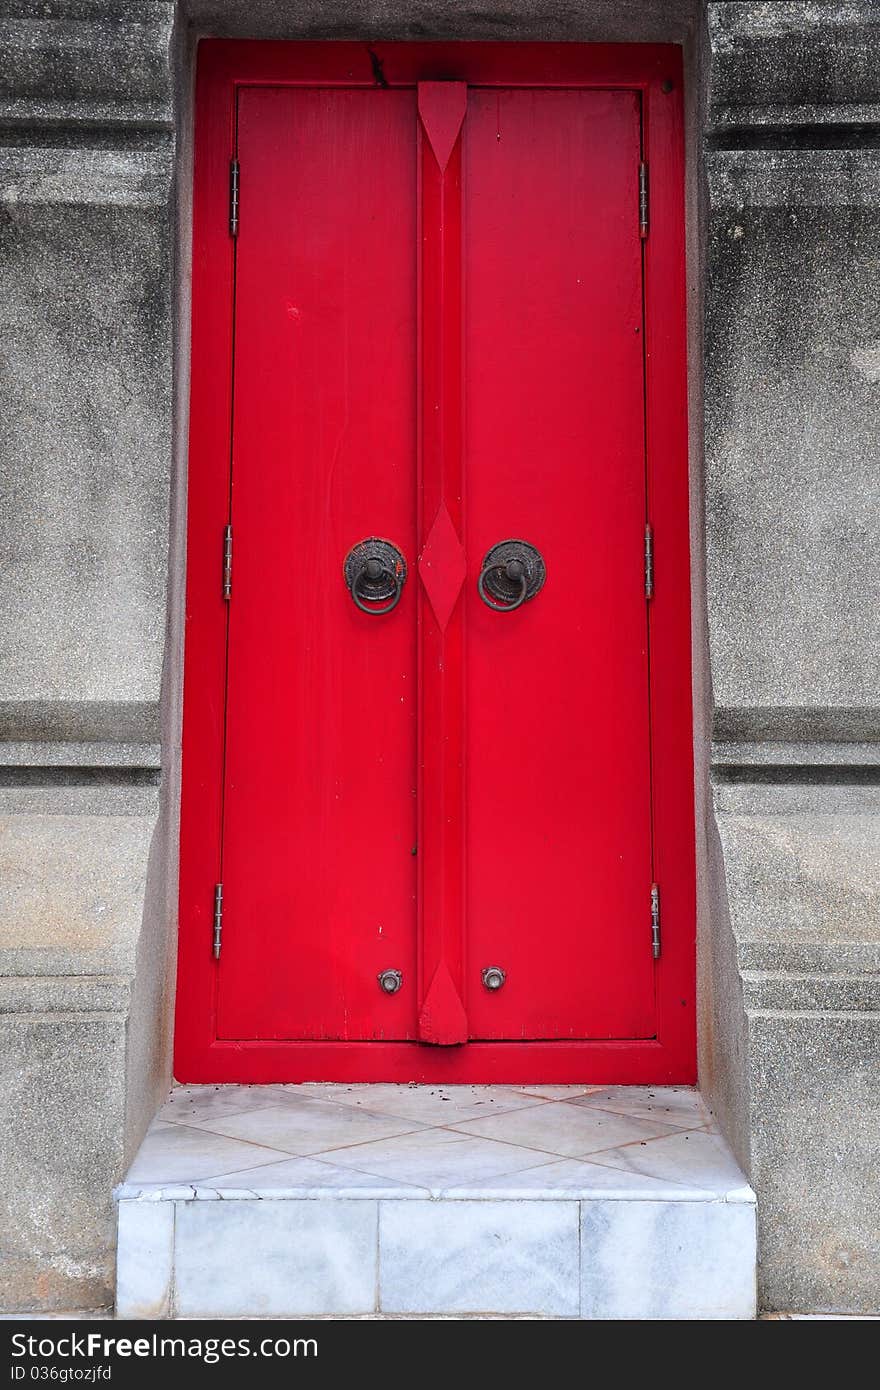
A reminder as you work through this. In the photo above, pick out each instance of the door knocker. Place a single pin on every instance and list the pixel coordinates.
(375, 571)
(512, 573)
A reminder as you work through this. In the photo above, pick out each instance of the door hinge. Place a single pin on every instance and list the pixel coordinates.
(643, 200)
(649, 562)
(234, 178)
(655, 920)
(218, 918)
(227, 563)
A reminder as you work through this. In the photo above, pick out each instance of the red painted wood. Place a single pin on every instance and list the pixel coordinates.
(205, 616)
(630, 1063)
(225, 69)
(559, 817)
(442, 568)
(672, 730)
(355, 64)
(319, 815)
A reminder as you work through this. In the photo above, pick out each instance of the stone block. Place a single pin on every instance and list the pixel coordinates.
(274, 1259)
(85, 459)
(792, 420)
(661, 1260)
(103, 62)
(62, 1081)
(479, 1257)
(815, 1122)
(145, 1259)
(72, 895)
(801, 864)
(793, 63)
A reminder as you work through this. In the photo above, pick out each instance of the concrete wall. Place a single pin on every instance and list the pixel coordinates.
(86, 165)
(792, 430)
(93, 124)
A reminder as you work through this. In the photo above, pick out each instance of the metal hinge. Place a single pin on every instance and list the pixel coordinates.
(218, 918)
(649, 562)
(234, 178)
(227, 563)
(643, 200)
(655, 920)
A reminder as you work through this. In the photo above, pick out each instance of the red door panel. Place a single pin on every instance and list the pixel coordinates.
(558, 759)
(319, 812)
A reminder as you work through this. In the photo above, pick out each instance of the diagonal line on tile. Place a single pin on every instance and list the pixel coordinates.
(642, 1143)
(548, 1157)
(251, 1143)
(519, 1144)
(673, 1182)
(188, 1123)
(406, 1125)
(626, 1114)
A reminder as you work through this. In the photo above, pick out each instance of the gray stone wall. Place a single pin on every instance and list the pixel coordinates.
(792, 451)
(92, 461)
(86, 161)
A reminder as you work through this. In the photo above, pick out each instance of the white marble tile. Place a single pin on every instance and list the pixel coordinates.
(305, 1126)
(479, 1257)
(275, 1258)
(192, 1104)
(436, 1159)
(178, 1153)
(694, 1156)
(676, 1260)
(679, 1106)
(576, 1179)
(431, 1105)
(307, 1178)
(564, 1128)
(144, 1259)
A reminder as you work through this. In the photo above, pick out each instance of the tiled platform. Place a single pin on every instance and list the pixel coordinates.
(548, 1201)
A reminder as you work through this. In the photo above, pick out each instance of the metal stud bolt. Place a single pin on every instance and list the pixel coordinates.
(493, 977)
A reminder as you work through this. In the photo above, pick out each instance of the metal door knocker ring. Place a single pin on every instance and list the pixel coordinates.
(374, 571)
(512, 573)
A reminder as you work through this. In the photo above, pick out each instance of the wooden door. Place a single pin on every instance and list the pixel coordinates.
(435, 836)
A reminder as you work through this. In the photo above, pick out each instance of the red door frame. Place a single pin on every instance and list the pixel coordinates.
(655, 72)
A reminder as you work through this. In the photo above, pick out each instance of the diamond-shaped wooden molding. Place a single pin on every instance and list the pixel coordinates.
(443, 1020)
(442, 567)
(442, 106)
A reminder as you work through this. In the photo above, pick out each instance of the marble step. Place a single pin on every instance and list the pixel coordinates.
(319, 1200)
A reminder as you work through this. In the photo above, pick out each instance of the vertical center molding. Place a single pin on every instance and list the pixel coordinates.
(442, 1017)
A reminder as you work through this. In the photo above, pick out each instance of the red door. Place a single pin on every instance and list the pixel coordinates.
(421, 735)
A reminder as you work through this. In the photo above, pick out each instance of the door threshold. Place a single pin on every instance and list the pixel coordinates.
(544, 1201)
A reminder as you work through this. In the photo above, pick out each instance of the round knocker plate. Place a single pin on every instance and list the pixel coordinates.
(499, 584)
(377, 568)
(375, 587)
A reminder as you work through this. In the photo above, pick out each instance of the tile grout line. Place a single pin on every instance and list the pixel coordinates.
(255, 1144)
(628, 1143)
(624, 1114)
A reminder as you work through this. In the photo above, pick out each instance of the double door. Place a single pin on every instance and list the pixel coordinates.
(436, 822)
